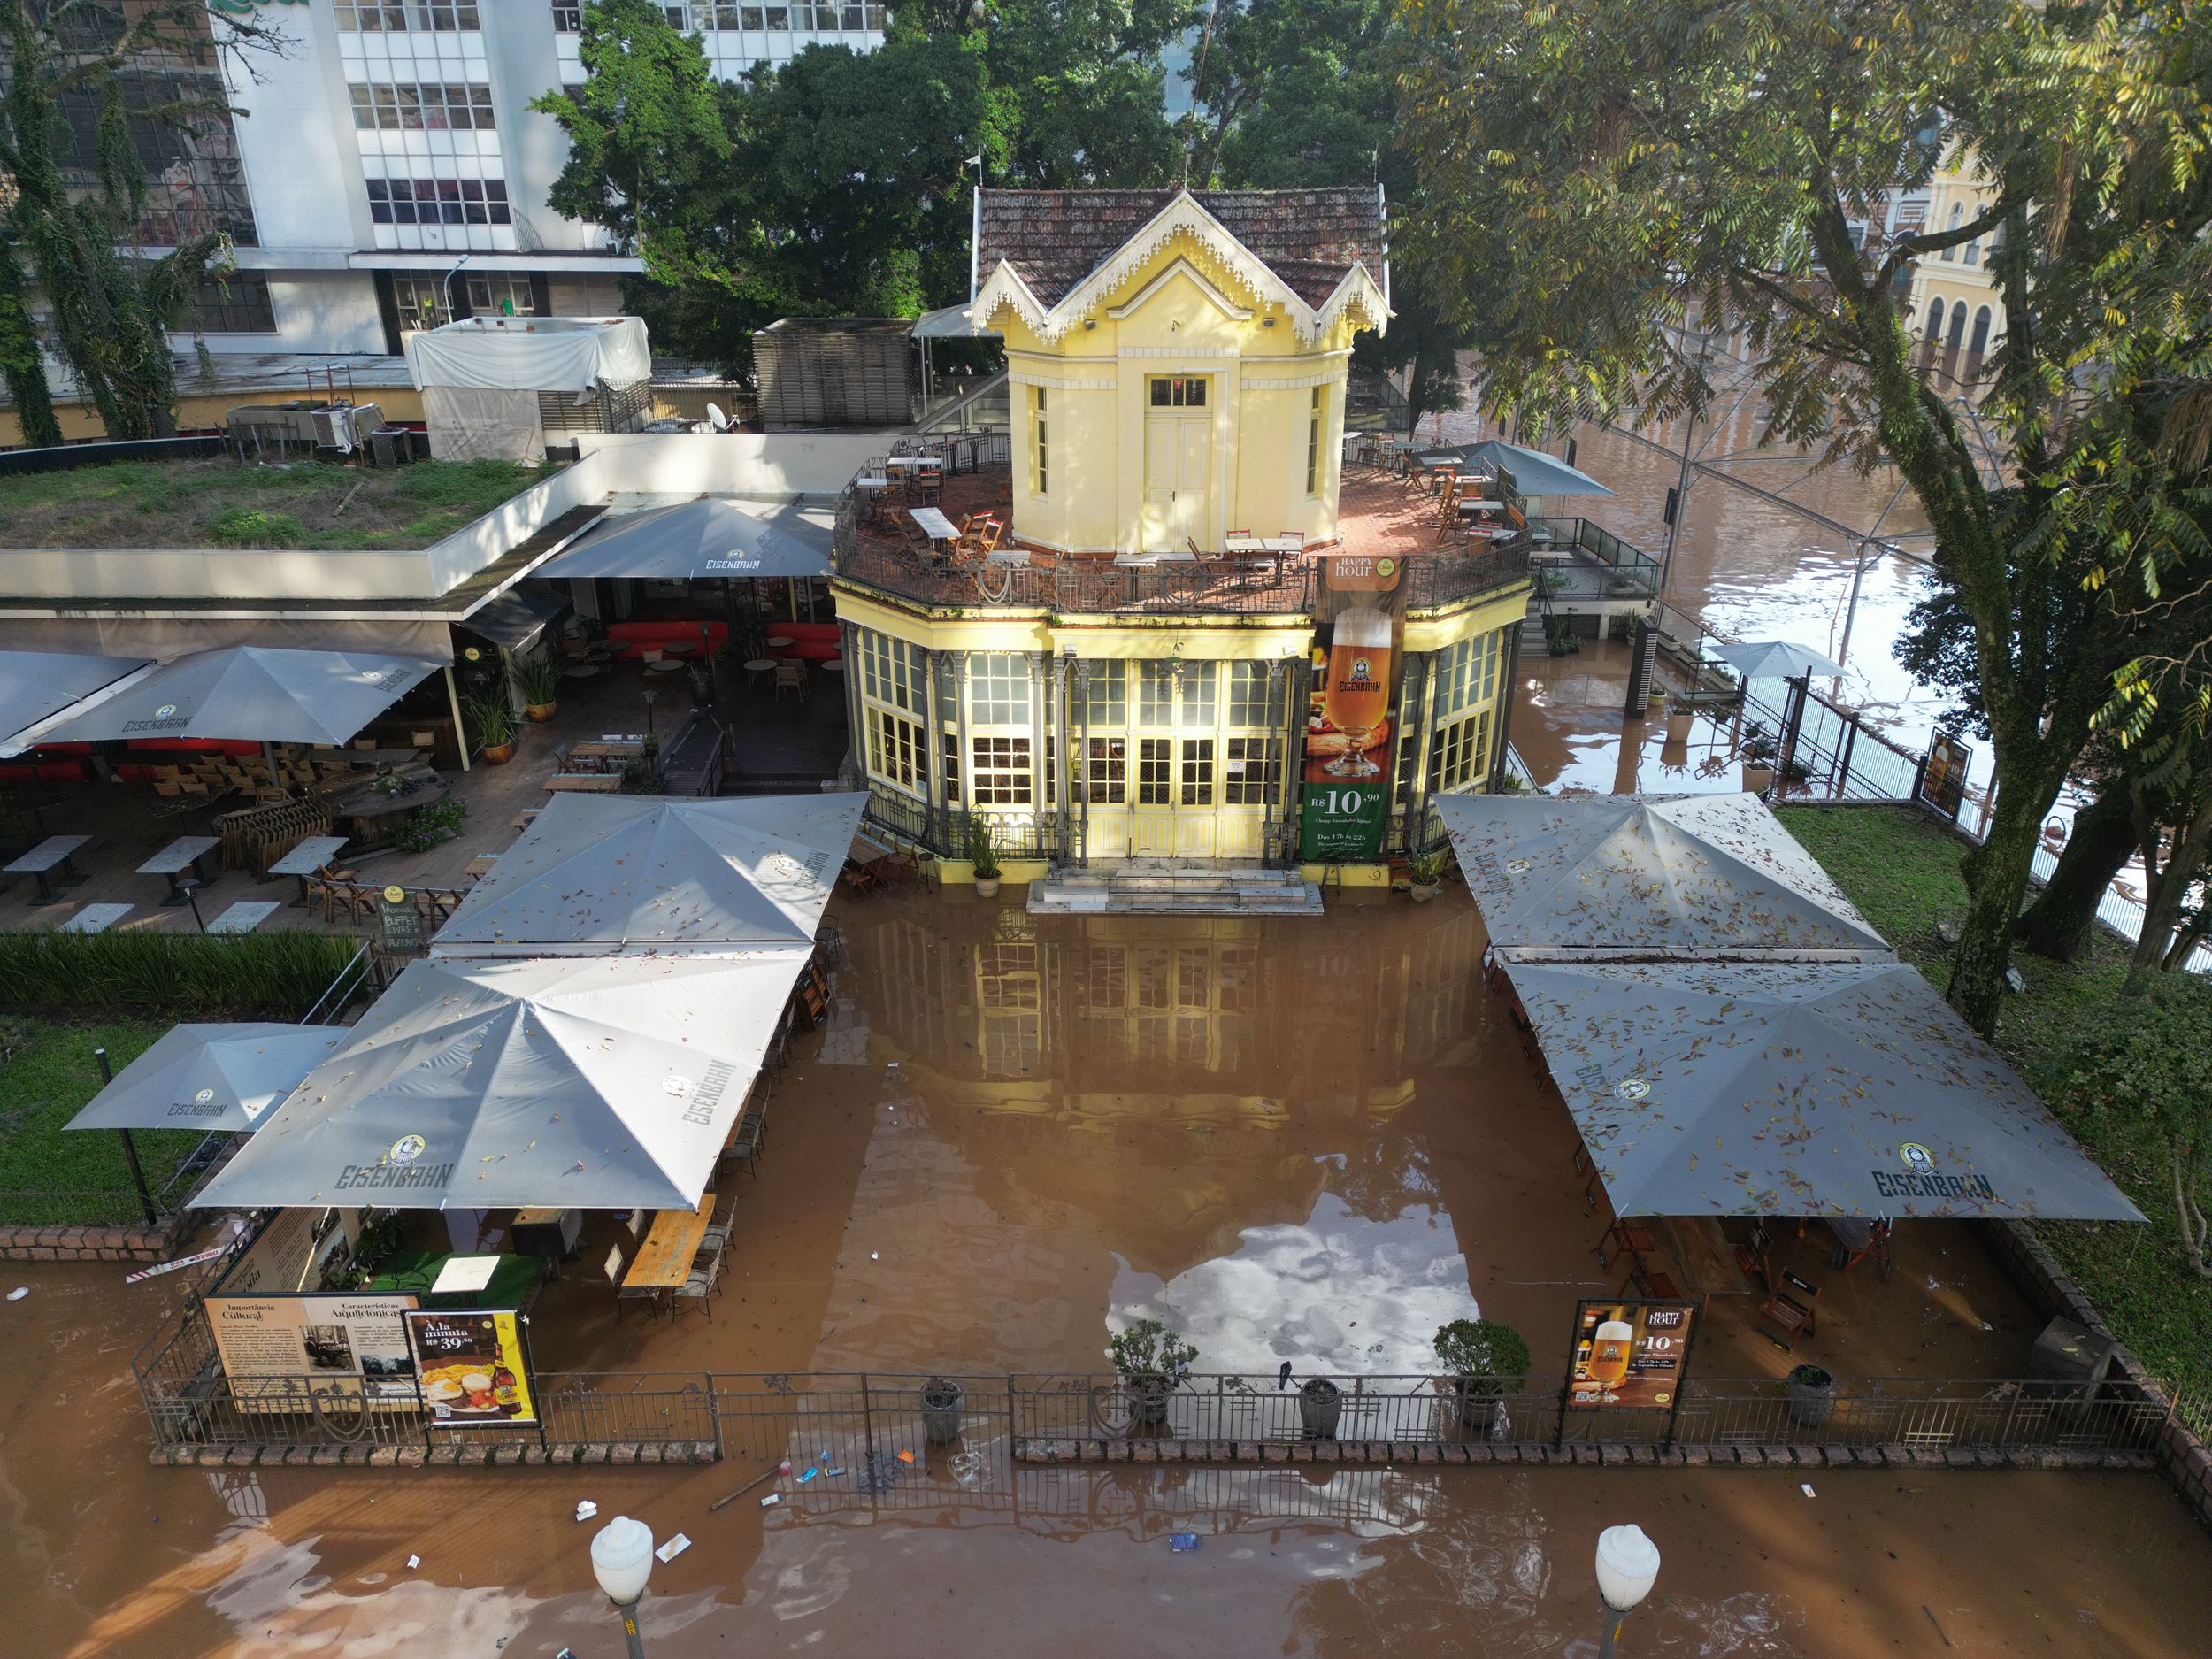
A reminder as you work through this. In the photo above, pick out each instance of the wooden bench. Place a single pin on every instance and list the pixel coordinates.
(586, 782)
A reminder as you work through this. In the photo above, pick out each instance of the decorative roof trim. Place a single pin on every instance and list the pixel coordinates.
(1356, 291)
(1182, 267)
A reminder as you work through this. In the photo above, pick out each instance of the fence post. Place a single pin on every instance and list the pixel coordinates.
(1843, 767)
(714, 1415)
(1009, 1425)
(867, 1422)
(1793, 721)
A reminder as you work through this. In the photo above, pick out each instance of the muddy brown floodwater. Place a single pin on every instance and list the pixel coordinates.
(1311, 1139)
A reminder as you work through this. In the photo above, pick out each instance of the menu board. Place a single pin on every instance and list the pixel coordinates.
(1631, 1353)
(472, 1367)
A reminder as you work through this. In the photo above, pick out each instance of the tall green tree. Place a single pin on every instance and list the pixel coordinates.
(1080, 88)
(73, 240)
(1593, 169)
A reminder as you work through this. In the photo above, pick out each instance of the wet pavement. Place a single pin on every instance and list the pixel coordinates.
(1308, 1140)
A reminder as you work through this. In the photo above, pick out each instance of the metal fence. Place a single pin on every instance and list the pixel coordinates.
(873, 1432)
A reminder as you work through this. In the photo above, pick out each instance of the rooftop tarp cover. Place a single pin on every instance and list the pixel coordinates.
(251, 694)
(709, 538)
(1534, 472)
(35, 684)
(1691, 877)
(532, 354)
(598, 1083)
(517, 617)
(211, 1076)
(594, 873)
(1798, 1090)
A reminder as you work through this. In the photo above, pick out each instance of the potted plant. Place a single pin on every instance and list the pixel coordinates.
(1486, 1360)
(983, 854)
(494, 721)
(1681, 713)
(941, 1399)
(1655, 694)
(1809, 1395)
(539, 678)
(1756, 750)
(1149, 1358)
(1320, 1406)
(1424, 874)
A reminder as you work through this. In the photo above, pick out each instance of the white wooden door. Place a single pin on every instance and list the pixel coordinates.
(1176, 453)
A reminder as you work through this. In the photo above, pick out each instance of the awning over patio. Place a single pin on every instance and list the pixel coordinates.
(706, 539)
(251, 694)
(589, 1084)
(515, 618)
(1534, 472)
(1684, 877)
(594, 873)
(36, 684)
(1798, 1090)
(222, 1076)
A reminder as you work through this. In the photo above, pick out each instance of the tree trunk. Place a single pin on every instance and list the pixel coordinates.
(1996, 874)
(2196, 1233)
(2063, 918)
(2165, 885)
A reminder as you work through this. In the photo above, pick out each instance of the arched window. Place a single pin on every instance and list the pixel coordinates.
(1935, 321)
(1980, 342)
(1958, 218)
(1958, 326)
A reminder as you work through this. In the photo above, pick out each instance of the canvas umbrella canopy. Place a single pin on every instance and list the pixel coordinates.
(1534, 472)
(596, 873)
(251, 692)
(222, 1076)
(1826, 1088)
(35, 685)
(599, 1083)
(1680, 876)
(710, 538)
(1776, 659)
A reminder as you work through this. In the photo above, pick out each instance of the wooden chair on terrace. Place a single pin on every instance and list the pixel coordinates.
(323, 887)
(1792, 1312)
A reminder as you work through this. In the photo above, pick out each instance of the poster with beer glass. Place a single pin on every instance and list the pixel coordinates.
(1631, 1353)
(470, 1368)
(1346, 777)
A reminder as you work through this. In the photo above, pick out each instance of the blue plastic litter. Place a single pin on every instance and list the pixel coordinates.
(1181, 1541)
(808, 1475)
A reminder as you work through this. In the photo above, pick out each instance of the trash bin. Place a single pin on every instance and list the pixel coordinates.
(941, 1401)
(1320, 1406)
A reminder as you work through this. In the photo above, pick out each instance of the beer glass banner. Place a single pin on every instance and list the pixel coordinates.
(1345, 797)
(472, 1369)
(1631, 1353)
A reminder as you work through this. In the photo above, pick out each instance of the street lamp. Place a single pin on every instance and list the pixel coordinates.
(1628, 1563)
(622, 1560)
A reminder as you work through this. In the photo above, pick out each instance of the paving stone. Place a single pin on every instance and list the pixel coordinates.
(507, 1457)
(412, 1457)
(1145, 1452)
(1327, 1451)
(622, 1456)
(384, 1458)
(594, 1454)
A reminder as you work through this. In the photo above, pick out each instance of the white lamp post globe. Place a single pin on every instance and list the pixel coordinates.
(622, 1559)
(1628, 1564)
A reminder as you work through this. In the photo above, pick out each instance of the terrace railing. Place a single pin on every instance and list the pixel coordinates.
(857, 1422)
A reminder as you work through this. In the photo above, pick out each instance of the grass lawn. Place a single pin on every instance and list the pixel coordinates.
(49, 1078)
(1902, 872)
(220, 503)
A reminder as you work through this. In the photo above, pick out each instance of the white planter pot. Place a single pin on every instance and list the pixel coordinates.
(986, 887)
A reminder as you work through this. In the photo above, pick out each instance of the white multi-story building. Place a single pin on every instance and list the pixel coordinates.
(393, 141)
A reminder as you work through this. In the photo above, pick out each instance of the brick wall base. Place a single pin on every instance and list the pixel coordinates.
(87, 1244)
(1595, 1454)
(435, 1456)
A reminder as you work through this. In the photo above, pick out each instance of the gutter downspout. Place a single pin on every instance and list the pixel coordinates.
(460, 731)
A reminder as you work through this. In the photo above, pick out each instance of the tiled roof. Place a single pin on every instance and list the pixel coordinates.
(1056, 238)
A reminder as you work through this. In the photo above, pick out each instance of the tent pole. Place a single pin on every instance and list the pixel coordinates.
(460, 732)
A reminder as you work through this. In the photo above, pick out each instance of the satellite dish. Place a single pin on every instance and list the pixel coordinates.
(721, 421)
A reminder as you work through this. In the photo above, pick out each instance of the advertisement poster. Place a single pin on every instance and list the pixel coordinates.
(1346, 772)
(297, 1250)
(1631, 1353)
(472, 1367)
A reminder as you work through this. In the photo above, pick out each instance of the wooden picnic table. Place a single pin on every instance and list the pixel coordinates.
(187, 852)
(663, 1261)
(52, 853)
(614, 748)
(480, 867)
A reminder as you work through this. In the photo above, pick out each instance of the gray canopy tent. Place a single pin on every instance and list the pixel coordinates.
(1766, 1088)
(211, 1077)
(35, 685)
(598, 1083)
(709, 538)
(1683, 877)
(1534, 472)
(249, 692)
(1776, 659)
(594, 873)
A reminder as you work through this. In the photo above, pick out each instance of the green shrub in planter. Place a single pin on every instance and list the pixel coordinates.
(428, 824)
(176, 976)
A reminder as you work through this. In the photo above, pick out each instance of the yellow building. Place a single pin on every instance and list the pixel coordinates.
(1954, 301)
(1176, 533)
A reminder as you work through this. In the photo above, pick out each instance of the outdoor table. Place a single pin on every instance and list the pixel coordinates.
(514, 1282)
(53, 852)
(914, 463)
(617, 750)
(760, 667)
(306, 859)
(779, 642)
(934, 523)
(1136, 561)
(244, 917)
(873, 480)
(373, 814)
(663, 1261)
(187, 852)
(96, 919)
(832, 664)
(480, 867)
(863, 851)
(547, 1233)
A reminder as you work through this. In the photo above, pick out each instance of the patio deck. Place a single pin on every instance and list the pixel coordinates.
(776, 743)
